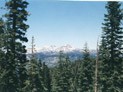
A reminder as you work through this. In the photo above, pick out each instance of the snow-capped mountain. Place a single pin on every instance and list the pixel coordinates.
(53, 48)
(47, 48)
(49, 54)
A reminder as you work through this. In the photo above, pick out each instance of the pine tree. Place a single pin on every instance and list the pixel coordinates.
(46, 77)
(1, 37)
(15, 52)
(111, 49)
(62, 75)
(2, 57)
(75, 77)
(103, 58)
(35, 81)
(87, 72)
(38, 74)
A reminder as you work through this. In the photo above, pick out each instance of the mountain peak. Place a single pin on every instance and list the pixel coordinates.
(53, 48)
(65, 48)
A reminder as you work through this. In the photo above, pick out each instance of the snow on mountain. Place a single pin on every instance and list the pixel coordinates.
(48, 48)
(53, 48)
(49, 54)
(66, 48)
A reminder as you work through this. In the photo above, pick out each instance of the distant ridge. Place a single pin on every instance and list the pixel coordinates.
(49, 54)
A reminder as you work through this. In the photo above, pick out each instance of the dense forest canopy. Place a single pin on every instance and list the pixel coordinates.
(103, 73)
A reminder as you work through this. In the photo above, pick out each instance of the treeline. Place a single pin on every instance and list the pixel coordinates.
(75, 76)
(19, 74)
(64, 76)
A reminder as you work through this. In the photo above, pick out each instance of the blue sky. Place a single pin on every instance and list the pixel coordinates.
(65, 22)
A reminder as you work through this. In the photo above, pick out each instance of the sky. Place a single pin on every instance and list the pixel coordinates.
(65, 22)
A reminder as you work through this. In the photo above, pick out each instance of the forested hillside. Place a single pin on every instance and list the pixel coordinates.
(103, 73)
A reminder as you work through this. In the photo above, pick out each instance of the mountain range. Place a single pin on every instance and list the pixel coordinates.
(49, 54)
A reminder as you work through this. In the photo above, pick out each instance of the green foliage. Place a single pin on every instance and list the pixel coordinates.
(46, 77)
(2, 57)
(17, 74)
(62, 75)
(111, 50)
(14, 53)
(75, 76)
(35, 79)
(38, 77)
(86, 76)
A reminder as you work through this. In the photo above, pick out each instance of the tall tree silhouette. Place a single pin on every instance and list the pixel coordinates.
(15, 52)
(87, 72)
(111, 49)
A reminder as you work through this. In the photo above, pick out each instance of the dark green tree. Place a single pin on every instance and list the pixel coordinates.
(75, 76)
(36, 71)
(1, 39)
(46, 77)
(15, 52)
(110, 53)
(86, 73)
(62, 75)
(35, 82)
(2, 58)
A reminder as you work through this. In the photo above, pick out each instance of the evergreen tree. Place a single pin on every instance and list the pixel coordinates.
(35, 81)
(75, 77)
(46, 77)
(87, 72)
(103, 58)
(15, 52)
(62, 75)
(2, 57)
(111, 49)
(1, 38)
